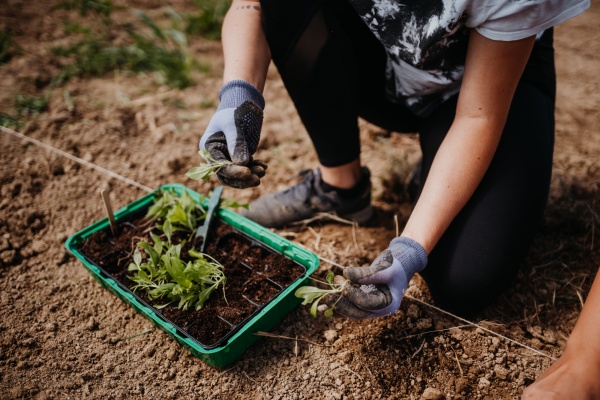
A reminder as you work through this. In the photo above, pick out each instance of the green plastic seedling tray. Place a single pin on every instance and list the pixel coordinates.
(263, 320)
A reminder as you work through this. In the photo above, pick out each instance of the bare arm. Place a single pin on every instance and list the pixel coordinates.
(575, 374)
(245, 48)
(492, 71)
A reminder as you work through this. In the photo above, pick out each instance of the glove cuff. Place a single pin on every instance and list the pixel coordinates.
(235, 92)
(411, 255)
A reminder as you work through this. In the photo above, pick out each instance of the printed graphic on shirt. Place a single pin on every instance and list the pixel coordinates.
(426, 43)
(426, 40)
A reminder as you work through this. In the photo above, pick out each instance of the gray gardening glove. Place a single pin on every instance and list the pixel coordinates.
(233, 134)
(382, 284)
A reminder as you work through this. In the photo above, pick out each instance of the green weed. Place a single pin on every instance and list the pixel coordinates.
(208, 21)
(101, 7)
(161, 50)
(74, 28)
(9, 121)
(7, 45)
(26, 105)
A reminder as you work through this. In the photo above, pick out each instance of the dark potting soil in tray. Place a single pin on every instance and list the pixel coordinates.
(255, 274)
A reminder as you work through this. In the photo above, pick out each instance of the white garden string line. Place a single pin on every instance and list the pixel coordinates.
(77, 159)
(541, 353)
(147, 189)
(459, 318)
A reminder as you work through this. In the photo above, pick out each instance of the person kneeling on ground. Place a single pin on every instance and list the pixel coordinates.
(475, 79)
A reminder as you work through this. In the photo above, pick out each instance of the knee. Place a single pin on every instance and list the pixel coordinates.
(467, 296)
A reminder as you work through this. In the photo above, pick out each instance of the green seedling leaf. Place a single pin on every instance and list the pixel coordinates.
(207, 169)
(158, 269)
(167, 228)
(234, 204)
(310, 293)
(137, 260)
(313, 295)
(330, 277)
(315, 306)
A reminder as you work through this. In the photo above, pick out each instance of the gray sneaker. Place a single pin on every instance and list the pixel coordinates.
(307, 199)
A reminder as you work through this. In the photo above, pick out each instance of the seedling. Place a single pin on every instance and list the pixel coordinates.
(313, 294)
(207, 169)
(176, 213)
(165, 275)
(161, 272)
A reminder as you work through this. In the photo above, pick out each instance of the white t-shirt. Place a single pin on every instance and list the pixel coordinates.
(426, 40)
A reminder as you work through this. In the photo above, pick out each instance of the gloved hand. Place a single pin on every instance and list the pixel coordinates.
(382, 283)
(233, 134)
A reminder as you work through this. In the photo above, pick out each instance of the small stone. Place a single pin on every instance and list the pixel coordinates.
(501, 372)
(536, 343)
(456, 334)
(4, 243)
(330, 335)
(461, 384)
(432, 394)
(39, 246)
(92, 324)
(172, 355)
(88, 157)
(346, 356)
(413, 311)
(424, 323)
(8, 257)
(483, 383)
(50, 326)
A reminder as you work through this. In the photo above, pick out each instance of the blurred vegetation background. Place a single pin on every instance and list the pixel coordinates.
(137, 43)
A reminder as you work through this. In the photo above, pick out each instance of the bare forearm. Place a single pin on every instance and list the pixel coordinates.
(245, 48)
(492, 71)
(575, 374)
(457, 170)
(586, 334)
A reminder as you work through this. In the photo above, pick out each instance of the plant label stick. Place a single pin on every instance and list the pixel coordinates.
(108, 208)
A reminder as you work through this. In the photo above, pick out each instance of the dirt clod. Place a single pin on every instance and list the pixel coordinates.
(62, 334)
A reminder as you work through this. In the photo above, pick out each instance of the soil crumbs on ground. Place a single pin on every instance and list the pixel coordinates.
(63, 336)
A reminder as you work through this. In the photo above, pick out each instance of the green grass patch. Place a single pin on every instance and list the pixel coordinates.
(26, 105)
(101, 7)
(162, 50)
(7, 46)
(9, 121)
(209, 19)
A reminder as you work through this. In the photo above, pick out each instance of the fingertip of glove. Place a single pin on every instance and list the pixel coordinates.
(237, 172)
(258, 171)
(261, 164)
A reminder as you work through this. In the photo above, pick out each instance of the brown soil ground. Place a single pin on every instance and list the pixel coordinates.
(62, 335)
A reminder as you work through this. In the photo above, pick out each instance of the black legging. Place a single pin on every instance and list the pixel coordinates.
(333, 68)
